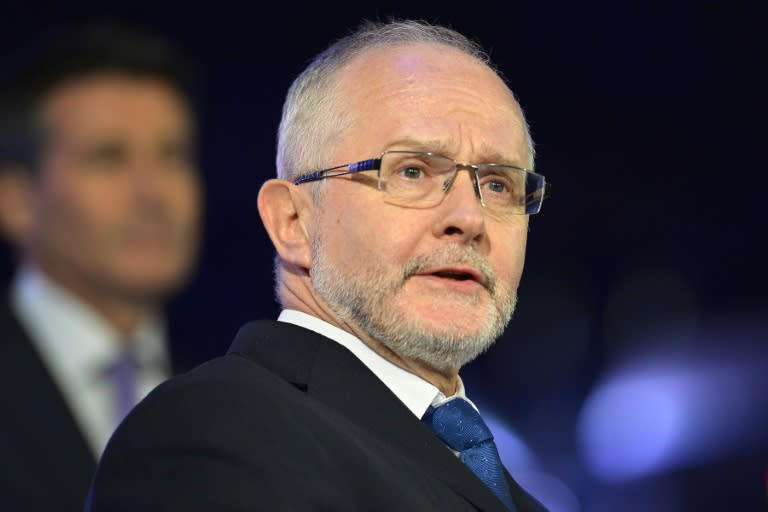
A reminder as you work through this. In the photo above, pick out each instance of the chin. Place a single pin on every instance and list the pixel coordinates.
(445, 351)
(468, 315)
(149, 285)
(452, 327)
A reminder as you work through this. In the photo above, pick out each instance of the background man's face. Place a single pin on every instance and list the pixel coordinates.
(380, 265)
(116, 203)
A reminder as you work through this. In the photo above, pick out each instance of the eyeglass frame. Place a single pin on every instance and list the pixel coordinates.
(374, 164)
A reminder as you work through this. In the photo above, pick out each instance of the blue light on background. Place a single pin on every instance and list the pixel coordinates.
(669, 412)
(522, 463)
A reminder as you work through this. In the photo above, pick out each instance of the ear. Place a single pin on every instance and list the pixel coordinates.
(282, 209)
(15, 204)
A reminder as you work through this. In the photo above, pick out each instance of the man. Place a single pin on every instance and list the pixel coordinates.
(101, 199)
(395, 266)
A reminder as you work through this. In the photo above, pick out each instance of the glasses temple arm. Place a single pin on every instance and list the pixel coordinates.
(364, 165)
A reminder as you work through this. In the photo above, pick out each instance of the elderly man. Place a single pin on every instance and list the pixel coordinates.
(101, 200)
(397, 263)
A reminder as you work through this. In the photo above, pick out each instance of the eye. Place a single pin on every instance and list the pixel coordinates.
(177, 153)
(108, 153)
(411, 172)
(497, 186)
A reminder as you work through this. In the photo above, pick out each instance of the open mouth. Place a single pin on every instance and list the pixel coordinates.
(463, 276)
(455, 275)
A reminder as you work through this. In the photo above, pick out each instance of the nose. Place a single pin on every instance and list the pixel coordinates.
(472, 173)
(462, 217)
(154, 186)
(147, 179)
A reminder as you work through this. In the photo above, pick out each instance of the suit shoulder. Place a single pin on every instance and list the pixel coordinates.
(221, 383)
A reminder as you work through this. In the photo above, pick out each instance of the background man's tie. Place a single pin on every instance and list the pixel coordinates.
(460, 426)
(123, 373)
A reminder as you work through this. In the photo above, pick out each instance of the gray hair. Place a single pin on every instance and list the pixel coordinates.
(312, 113)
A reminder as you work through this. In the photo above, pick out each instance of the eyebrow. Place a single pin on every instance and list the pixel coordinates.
(488, 153)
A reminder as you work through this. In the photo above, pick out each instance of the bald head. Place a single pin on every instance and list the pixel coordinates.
(317, 113)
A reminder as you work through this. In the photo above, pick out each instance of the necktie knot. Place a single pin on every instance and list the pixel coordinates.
(458, 424)
(460, 427)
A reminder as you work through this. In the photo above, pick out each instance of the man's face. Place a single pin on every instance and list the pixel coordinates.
(116, 202)
(401, 274)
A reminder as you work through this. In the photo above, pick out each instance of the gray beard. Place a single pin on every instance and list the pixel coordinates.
(367, 301)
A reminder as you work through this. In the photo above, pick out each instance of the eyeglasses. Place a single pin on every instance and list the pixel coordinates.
(417, 179)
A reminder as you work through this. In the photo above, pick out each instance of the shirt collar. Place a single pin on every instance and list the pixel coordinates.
(414, 392)
(73, 334)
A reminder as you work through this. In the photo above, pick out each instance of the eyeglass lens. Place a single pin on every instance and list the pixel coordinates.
(422, 180)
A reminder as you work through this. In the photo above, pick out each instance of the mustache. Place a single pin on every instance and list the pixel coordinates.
(452, 255)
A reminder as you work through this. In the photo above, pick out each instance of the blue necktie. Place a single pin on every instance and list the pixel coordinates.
(460, 426)
(124, 374)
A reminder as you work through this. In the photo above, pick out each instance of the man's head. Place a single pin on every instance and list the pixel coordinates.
(98, 183)
(428, 286)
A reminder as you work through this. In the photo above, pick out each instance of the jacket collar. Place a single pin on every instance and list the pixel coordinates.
(331, 374)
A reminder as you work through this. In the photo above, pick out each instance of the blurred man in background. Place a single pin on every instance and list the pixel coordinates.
(101, 199)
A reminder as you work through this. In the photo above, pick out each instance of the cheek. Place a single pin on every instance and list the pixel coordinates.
(185, 198)
(79, 211)
(508, 253)
(380, 239)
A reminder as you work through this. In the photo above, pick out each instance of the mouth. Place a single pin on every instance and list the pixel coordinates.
(456, 274)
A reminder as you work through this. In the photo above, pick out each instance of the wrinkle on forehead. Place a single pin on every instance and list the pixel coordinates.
(446, 101)
(484, 153)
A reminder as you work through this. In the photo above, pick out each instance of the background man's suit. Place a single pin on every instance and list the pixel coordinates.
(287, 420)
(46, 461)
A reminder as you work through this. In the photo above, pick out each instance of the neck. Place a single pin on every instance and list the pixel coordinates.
(121, 312)
(446, 382)
(300, 298)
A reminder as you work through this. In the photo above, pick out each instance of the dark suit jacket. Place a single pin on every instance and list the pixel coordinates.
(287, 420)
(45, 462)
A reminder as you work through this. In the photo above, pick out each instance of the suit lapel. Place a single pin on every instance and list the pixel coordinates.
(523, 501)
(46, 443)
(335, 377)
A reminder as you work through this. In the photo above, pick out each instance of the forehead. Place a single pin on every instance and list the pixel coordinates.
(427, 92)
(113, 101)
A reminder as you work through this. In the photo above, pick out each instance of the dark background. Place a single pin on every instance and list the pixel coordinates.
(646, 265)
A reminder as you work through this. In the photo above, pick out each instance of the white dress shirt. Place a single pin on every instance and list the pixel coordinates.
(77, 346)
(416, 393)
